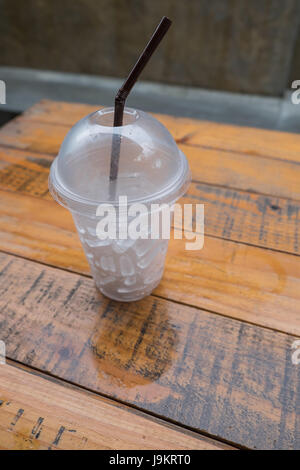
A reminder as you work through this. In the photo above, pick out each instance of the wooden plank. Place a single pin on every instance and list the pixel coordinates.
(33, 137)
(252, 141)
(59, 112)
(234, 170)
(25, 172)
(254, 219)
(230, 379)
(236, 215)
(240, 281)
(244, 172)
(36, 412)
(256, 285)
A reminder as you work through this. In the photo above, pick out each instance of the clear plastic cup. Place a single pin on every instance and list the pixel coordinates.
(152, 170)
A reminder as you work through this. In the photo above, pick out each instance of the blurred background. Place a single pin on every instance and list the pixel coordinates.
(222, 60)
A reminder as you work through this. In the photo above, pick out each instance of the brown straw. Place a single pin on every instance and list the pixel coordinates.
(125, 89)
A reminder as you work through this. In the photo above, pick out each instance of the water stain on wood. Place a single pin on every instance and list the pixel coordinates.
(134, 348)
(265, 262)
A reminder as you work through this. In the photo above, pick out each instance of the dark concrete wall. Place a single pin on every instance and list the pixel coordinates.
(295, 68)
(238, 45)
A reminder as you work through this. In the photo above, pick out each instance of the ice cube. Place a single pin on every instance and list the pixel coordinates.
(94, 243)
(106, 280)
(126, 265)
(107, 263)
(142, 246)
(148, 258)
(120, 246)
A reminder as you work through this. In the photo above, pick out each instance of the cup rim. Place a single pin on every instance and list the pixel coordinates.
(110, 110)
(169, 194)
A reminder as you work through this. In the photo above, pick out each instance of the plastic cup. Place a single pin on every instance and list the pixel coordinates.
(152, 170)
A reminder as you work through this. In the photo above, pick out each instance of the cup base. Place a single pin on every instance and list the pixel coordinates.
(128, 297)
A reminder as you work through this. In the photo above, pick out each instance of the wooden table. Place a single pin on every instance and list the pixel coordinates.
(203, 363)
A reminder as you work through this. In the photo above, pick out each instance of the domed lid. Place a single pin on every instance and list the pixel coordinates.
(151, 167)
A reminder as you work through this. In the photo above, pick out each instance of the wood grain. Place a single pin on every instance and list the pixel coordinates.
(244, 282)
(252, 141)
(25, 172)
(25, 135)
(39, 413)
(244, 172)
(277, 178)
(255, 219)
(227, 378)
